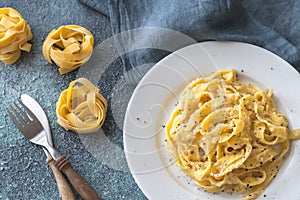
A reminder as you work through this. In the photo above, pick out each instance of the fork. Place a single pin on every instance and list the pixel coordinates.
(33, 130)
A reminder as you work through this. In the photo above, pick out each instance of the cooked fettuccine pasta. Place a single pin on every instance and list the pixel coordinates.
(14, 35)
(228, 135)
(68, 47)
(81, 108)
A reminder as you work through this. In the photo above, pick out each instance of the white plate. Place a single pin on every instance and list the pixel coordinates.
(156, 95)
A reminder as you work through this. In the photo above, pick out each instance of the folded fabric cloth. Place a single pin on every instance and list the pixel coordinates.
(148, 30)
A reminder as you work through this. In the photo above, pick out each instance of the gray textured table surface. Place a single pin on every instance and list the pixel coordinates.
(23, 171)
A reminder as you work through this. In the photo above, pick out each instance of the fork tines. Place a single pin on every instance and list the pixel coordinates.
(23, 120)
(19, 113)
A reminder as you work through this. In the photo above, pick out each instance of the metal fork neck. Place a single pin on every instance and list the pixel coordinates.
(53, 152)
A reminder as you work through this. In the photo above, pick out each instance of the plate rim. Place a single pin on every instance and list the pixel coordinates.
(152, 70)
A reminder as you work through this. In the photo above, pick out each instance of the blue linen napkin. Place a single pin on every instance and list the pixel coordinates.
(148, 30)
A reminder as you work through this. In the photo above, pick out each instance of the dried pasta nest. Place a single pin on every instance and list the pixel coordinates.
(68, 47)
(81, 108)
(14, 35)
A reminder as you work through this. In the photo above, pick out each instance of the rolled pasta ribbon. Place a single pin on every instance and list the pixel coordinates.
(68, 47)
(81, 108)
(14, 35)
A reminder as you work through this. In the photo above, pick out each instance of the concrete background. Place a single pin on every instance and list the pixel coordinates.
(23, 171)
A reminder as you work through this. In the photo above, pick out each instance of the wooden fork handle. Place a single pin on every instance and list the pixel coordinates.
(85, 190)
(64, 189)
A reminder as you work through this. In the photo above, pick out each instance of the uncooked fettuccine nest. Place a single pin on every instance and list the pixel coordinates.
(14, 34)
(81, 108)
(68, 47)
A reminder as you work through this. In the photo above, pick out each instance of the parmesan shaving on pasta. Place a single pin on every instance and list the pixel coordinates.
(14, 35)
(81, 108)
(68, 47)
(228, 135)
